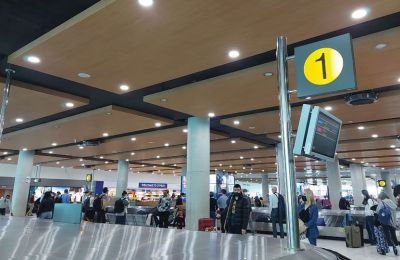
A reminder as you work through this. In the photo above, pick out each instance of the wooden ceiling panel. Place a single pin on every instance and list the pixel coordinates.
(371, 144)
(89, 125)
(381, 128)
(374, 153)
(188, 27)
(75, 163)
(30, 102)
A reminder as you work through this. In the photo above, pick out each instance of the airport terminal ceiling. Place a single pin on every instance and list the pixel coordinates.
(110, 80)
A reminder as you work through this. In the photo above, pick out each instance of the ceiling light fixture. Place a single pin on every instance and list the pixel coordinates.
(233, 141)
(255, 147)
(166, 144)
(380, 46)
(24, 149)
(236, 122)
(328, 108)
(83, 75)
(359, 13)
(164, 100)
(69, 104)
(157, 124)
(393, 146)
(241, 157)
(54, 144)
(50, 152)
(353, 159)
(374, 136)
(146, 3)
(81, 147)
(185, 130)
(132, 153)
(361, 127)
(124, 87)
(233, 54)
(5, 153)
(268, 74)
(158, 157)
(397, 149)
(105, 134)
(106, 162)
(9, 159)
(211, 114)
(133, 139)
(81, 160)
(32, 59)
(19, 120)
(308, 98)
(101, 157)
(184, 147)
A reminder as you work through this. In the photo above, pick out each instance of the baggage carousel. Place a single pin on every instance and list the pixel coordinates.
(31, 238)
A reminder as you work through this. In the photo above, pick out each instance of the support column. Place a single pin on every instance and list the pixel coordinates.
(387, 177)
(22, 183)
(358, 183)
(265, 187)
(280, 170)
(334, 183)
(198, 171)
(122, 181)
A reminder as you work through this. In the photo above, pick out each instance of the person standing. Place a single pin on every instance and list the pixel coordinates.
(5, 203)
(65, 198)
(121, 209)
(387, 217)
(237, 213)
(99, 206)
(46, 206)
(222, 204)
(276, 215)
(369, 216)
(310, 210)
(213, 207)
(163, 207)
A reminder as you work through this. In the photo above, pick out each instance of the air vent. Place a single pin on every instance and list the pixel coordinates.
(91, 143)
(362, 98)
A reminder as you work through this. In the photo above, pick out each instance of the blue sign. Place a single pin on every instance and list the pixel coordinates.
(146, 185)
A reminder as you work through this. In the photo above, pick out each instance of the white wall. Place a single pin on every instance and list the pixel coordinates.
(109, 178)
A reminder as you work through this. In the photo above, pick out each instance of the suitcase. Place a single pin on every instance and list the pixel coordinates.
(353, 236)
(205, 223)
(382, 247)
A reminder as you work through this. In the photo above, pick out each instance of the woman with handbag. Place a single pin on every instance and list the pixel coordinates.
(308, 214)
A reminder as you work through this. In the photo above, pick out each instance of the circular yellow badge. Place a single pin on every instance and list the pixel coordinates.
(323, 66)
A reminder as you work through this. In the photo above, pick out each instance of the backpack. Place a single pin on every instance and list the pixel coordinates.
(86, 204)
(119, 206)
(281, 207)
(97, 204)
(384, 215)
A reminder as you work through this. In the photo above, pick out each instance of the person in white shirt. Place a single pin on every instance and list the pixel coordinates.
(273, 205)
(5, 203)
(368, 202)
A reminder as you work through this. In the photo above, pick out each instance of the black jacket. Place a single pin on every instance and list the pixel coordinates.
(46, 205)
(240, 218)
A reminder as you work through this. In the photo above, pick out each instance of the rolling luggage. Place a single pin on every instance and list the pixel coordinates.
(382, 247)
(205, 223)
(353, 236)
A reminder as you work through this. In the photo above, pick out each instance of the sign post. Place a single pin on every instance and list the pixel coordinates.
(292, 225)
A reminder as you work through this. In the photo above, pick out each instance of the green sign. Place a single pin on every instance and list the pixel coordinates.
(325, 67)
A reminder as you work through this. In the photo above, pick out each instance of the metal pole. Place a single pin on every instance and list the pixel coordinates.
(4, 103)
(287, 152)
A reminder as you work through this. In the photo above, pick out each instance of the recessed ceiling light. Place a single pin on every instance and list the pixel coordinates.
(9, 159)
(220, 165)
(133, 139)
(175, 164)
(361, 127)
(81, 160)
(106, 162)
(54, 144)
(101, 157)
(158, 157)
(24, 149)
(230, 166)
(157, 124)
(393, 146)
(279, 136)
(252, 127)
(233, 141)
(308, 98)
(241, 157)
(236, 122)
(397, 149)
(398, 80)
(353, 159)
(19, 120)
(211, 114)
(142, 165)
(251, 159)
(268, 74)
(5, 153)
(233, 54)
(166, 144)
(50, 152)
(184, 147)
(83, 75)
(124, 87)
(255, 147)
(362, 161)
(146, 3)
(164, 100)
(328, 108)
(380, 46)
(32, 59)
(359, 13)
(127, 160)
(374, 136)
(263, 170)
(105, 134)
(244, 168)
(69, 104)
(81, 147)
(132, 153)
(185, 130)
(154, 166)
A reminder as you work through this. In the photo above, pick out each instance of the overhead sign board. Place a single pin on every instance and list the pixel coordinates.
(325, 67)
(381, 183)
(146, 185)
(89, 177)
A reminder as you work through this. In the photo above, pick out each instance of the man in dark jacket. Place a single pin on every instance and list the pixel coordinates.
(237, 213)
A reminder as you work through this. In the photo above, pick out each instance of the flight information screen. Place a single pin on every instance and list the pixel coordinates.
(326, 136)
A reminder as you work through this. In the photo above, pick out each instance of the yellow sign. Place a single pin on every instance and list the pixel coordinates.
(323, 66)
(88, 177)
(382, 183)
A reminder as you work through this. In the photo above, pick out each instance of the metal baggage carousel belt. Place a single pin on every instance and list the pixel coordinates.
(31, 238)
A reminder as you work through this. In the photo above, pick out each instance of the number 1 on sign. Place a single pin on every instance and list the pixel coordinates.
(322, 60)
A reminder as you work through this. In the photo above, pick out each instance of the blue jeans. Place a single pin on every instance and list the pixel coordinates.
(312, 240)
(369, 224)
(275, 218)
(46, 215)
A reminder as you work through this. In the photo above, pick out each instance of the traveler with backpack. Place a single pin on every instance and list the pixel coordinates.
(163, 207)
(88, 207)
(387, 217)
(99, 206)
(278, 211)
(5, 203)
(308, 213)
(368, 202)
(46, 206)
(120, 208)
